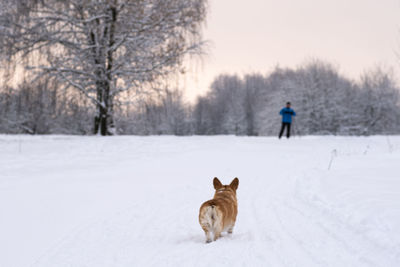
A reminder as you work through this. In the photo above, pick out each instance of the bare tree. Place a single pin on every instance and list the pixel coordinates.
(102, 47)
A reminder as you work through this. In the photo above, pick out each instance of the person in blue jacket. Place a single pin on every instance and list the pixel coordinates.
(286, 114)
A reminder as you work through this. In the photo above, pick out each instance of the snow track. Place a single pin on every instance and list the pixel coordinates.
(134, 201)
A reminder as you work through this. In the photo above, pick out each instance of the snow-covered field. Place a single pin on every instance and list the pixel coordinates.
(133, 201)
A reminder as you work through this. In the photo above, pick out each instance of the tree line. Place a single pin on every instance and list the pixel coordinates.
(326, 102)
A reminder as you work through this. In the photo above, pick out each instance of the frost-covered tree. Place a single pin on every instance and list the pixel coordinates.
(322, 90)
(378, 102)
(202, 116)
(42, 107)
(226, 97)
(102, 48)
(253, 101)
(165, 114)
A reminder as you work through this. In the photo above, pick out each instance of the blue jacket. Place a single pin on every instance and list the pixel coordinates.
(287, 114)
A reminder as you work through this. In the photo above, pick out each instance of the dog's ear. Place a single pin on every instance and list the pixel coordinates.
(234, 184)
(217, 183)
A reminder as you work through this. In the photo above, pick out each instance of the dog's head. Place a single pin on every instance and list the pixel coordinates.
(232, 187)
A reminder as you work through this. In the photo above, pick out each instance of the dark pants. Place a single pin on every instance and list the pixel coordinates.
(285, 124)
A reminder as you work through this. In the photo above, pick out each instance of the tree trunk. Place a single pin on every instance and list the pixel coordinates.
(100, 121)
(103, 122)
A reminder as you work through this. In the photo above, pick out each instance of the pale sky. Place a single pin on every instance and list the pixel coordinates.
(256, 35)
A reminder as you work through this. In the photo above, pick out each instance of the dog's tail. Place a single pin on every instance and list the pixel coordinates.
(210, 218)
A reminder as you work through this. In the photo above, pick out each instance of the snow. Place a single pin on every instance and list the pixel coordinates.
(134, 201)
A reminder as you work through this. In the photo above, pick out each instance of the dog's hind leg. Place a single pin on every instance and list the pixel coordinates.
(217, 235)
(217, 230)
(208, 237)
(230, 229)
(207, 232)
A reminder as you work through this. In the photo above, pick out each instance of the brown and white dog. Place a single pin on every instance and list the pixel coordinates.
(219, 214)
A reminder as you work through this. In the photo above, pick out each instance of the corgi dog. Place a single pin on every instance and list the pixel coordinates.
(219, 214)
